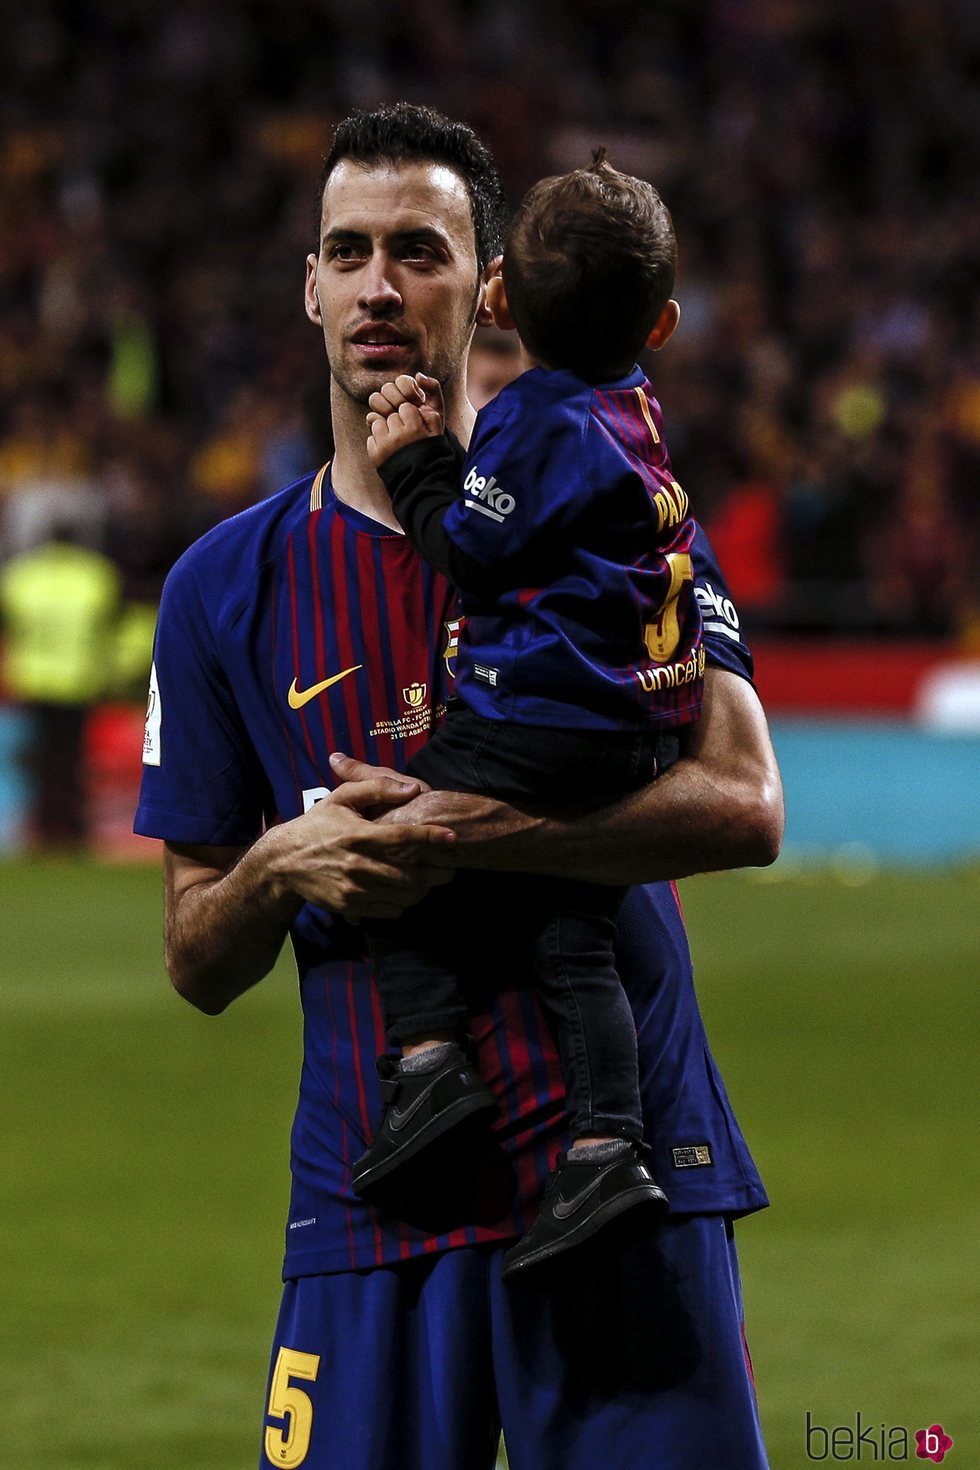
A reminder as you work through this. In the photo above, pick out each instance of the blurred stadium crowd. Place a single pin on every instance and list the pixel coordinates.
(821, 159)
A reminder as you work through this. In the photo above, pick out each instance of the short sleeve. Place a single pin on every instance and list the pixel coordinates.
(201, 782)
(522, 478)
(724, 642)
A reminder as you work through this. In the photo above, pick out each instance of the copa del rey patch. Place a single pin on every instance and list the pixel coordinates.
(151, 730)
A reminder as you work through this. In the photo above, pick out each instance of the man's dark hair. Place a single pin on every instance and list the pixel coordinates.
(405, 133)
(589, 266)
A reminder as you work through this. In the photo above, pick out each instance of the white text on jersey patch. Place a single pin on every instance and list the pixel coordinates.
(154, 719)
(718, 612)
(487, 497)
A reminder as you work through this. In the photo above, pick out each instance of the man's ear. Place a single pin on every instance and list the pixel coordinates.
(484, 315)
(500, 313)
(665, 327)
(312, 299)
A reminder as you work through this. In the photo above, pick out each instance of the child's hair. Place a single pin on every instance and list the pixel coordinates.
(589, 265)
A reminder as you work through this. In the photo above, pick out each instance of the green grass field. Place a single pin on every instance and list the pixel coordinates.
(143, 1174)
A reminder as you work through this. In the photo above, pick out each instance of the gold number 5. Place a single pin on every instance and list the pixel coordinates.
(663, 636)
(288, 1447)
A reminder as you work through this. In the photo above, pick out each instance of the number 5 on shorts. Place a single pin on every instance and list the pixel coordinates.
(288, 1447)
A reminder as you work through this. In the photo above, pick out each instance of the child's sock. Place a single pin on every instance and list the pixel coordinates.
(428, 1060)
(600, 1153)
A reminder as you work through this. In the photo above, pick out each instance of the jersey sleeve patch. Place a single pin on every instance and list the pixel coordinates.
(152, 747)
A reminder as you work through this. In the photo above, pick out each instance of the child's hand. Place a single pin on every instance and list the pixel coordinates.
(403, 412)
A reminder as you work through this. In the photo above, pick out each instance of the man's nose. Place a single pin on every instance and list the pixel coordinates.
(378, 290)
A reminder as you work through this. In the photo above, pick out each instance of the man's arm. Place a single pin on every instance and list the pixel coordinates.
(720, 806)
(228, 909)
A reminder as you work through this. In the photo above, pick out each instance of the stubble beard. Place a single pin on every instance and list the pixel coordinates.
(357, 384)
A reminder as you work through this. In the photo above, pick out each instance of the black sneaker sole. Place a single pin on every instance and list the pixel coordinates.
(648, 1197)
(461, 1119)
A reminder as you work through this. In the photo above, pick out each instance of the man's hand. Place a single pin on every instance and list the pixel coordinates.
(228, 909)
(339, 857)
(403, 412)
(721, 806)
(346, 768)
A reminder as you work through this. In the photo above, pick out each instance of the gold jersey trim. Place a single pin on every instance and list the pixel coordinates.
(645, 410)
(316, 489)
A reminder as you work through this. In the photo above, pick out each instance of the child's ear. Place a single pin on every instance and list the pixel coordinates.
(497, 304)
(665, 327)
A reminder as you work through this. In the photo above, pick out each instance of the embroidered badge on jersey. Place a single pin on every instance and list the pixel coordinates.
(152, 749)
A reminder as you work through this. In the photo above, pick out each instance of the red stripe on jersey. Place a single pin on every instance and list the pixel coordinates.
(528, 1101)
(748, 1361)
(343, 604)
(652, 477)
(528, 594)
(629, 413)
(328, 996)
(380, 1045)
(376, 654)
(313, 539)
(407, 622)
(622, 428)
(361, 1095)
(486, 1035)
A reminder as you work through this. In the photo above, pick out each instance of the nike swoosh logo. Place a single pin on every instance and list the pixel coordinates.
(398, 1118)
(298, 697)
(564, 1207)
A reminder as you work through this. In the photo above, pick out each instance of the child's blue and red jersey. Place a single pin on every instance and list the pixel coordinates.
(572, 548)
(301, 627)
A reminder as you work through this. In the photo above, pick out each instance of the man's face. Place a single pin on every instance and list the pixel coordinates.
(395, 286)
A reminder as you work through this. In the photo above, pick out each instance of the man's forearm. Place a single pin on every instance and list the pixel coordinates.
(683, 824)
(718, 807)
(228, 910)
(224, 929)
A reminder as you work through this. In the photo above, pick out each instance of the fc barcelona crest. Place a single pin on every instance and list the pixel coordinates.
(415, 694)
(452, 627)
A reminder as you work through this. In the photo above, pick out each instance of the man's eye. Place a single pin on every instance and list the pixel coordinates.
(345, 253)
(418, 250)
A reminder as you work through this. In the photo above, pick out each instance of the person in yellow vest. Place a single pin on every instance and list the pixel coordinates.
(59, 608)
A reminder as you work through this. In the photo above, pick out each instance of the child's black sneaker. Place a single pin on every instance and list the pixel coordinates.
(582, 1197)
(422, 1108)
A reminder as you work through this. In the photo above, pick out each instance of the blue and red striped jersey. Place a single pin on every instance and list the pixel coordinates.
(570, 507)
(301, 627)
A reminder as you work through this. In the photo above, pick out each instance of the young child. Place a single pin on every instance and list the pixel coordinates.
(581, 659)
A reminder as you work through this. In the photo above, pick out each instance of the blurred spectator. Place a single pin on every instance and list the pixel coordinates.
(59, 606)
(494, 361)
(821, 160)
(146, 531)
(745, 533)
(45, 466)
(226, 470)
(917, 559)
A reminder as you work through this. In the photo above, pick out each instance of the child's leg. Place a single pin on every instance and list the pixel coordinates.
(603, 1178)
(434, 1100)
(416, 975)
(580, 992)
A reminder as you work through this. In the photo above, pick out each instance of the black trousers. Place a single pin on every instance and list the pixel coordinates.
(432, 961)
